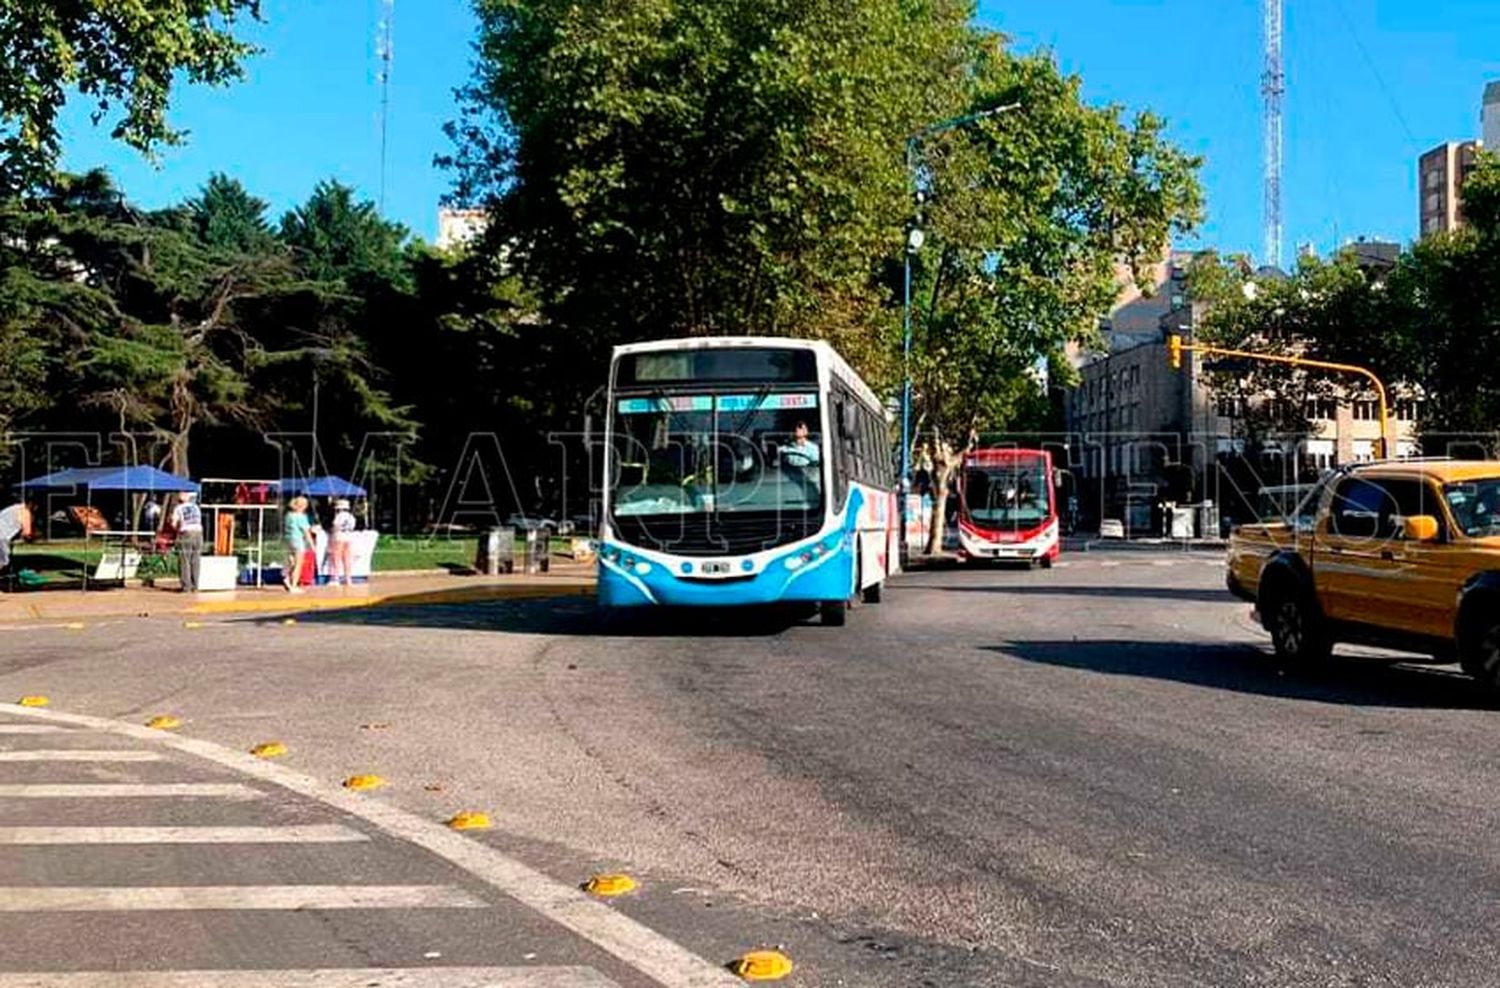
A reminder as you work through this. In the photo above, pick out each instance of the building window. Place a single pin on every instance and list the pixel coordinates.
(1229, 408)
(1406, 410)
(1321, 410)
(1366, 411)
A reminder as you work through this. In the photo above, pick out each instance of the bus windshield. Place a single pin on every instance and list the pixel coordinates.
(1014, 494)
(759, 450)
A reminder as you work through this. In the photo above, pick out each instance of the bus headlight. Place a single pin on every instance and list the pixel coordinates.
(642, 567)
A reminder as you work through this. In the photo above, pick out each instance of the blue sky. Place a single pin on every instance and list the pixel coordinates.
(1371, 84)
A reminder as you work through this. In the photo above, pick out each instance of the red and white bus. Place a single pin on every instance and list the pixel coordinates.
(1007, 507)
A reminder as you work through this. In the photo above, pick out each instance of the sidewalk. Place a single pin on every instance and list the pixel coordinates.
(406, 589)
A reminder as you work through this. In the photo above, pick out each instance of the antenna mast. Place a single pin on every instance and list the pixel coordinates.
(385, 53)
(1273, 89)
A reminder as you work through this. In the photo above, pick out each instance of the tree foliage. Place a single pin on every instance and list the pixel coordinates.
(123, 57)
(1429, 325)
(133, 322)
(677, 167)
(336, 237)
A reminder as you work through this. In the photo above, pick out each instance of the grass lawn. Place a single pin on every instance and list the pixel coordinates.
(64, 560)
(437, 552)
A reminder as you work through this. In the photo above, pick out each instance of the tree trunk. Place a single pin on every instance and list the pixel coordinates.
(945, 461)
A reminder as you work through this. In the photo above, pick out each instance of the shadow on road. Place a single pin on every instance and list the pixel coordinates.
(565, 616)
(1205, 594)
(1244, 669)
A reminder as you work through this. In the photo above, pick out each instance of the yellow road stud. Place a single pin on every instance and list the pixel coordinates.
(270, 749)
(363, 782)
(289, 621)
(470, 820)
(192, 624)
(33, 701)
(75, 626)
(610, 885)
(763, 965)
(164, 722)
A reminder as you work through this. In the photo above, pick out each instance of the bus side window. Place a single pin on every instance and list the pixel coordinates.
(839, 442)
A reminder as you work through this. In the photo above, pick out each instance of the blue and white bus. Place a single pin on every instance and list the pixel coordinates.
(741, 471)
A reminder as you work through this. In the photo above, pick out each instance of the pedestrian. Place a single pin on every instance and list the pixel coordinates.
(151, 515)
(341, 543)
(15, 523)
(296, 529)
(187, 522)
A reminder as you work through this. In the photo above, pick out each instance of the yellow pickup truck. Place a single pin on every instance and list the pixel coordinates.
(1402, 555)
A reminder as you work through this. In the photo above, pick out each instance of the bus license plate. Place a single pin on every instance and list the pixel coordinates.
(715, 569)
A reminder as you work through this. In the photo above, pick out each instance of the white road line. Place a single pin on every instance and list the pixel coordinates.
(436, 977)
(79, 755)
(90, 898)
(1163, 562)
(330, 833)
(652, 954)
(126, 790)
(32, 729)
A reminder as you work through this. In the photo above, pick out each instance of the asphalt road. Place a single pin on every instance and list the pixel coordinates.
(1088, 776)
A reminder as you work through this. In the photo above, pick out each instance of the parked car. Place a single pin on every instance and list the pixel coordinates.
(1402, 555)
(527, 523)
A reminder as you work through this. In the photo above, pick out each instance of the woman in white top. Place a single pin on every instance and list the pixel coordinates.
(341, 543)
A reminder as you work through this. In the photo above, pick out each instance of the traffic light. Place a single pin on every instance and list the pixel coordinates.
(1174, 351)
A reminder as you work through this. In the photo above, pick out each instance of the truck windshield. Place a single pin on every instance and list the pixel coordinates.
(1476, 506)
(706, 453)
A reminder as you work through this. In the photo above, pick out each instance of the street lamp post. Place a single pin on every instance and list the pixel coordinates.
(914, 241)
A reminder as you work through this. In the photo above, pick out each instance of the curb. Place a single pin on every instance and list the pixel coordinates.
(286, 604)
(459, 595)
(1138, 545)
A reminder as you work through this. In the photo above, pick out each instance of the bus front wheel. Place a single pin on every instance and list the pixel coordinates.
(835, 613)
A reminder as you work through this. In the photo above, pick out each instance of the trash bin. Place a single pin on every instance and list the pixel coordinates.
(496, 553)
(537, 546)
(1208, 520)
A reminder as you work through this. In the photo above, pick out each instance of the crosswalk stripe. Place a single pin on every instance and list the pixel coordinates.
(125, 790)
(90, 898)
(79, 755)
(32, 729)
(308, 834)
(435, 977)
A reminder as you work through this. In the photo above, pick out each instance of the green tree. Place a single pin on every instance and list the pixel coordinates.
(340, 239)
(712, 166)
(137, 324)
(1028, 216)
(735, 166)
(1429, 327)
(225, 216)
(122, 57)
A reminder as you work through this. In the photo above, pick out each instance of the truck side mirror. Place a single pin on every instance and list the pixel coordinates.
(1420, 528)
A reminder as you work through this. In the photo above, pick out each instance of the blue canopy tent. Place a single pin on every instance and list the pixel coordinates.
(329, 486)
(129, 479)
(137, 479)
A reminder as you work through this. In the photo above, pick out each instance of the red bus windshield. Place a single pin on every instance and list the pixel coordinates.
(1009, 490)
